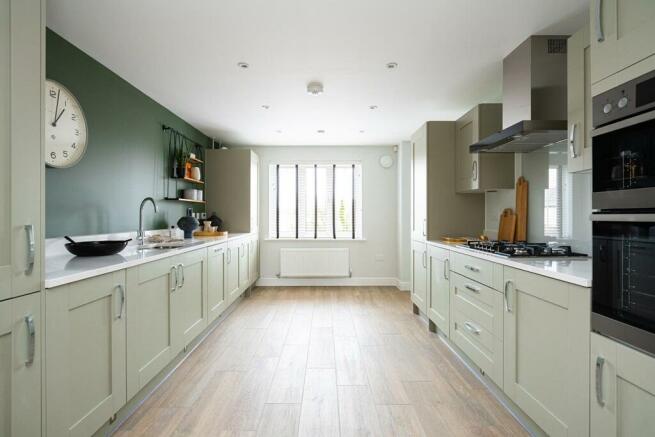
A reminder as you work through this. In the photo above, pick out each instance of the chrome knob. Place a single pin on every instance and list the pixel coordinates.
(607, 108)
(622, 103)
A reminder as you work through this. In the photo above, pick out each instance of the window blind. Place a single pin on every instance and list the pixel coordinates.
(316, 201)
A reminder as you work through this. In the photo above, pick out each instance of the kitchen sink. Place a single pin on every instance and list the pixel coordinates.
(166, 245)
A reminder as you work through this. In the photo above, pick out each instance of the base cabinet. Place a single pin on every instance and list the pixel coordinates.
(253, 259)
(243, 266)
(189, 301)
(151, 340)
(216, 298)
(546, 348)
(623, 390)
(439, 289)
(20, 366)
(85, 346)
(232, 271)
(419, 271)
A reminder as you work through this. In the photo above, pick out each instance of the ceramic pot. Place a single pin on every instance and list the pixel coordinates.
(188, 223)
(195, 173)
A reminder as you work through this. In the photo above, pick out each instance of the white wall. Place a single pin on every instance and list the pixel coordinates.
(374, 261)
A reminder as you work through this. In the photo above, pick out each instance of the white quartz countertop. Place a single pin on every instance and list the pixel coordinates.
(63, 268)
(575, 270)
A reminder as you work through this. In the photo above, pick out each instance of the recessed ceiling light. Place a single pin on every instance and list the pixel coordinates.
(361, 131)
(243, 65)
(266, 106)
(320, 131)
(392, 65)
(278, 131)
(372, 107)
(315, 88)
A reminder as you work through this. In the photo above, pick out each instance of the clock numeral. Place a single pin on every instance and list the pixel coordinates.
(74, 117)
(77, 132)
(65, 153)
(53, 155)
(74, 146)
(53, 93)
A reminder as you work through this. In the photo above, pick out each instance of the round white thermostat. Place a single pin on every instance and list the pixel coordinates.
(386, 161)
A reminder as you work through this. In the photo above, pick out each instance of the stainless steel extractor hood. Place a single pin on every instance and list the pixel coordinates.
(534, 98)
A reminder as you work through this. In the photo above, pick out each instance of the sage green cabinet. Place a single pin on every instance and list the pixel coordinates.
(243, 265)
(419, 276)
(419, 184)
(85, 349)
(478, 172)
(546, 327)
(22, 48)
(622, 34)
(623, 390)
(579, 100)
(151, 340)
(216, 297)
(20, 366)
(190, 299)
(232, 290)
(439, 288)
(253, 259)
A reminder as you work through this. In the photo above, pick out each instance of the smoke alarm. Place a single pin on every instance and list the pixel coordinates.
(315, 88)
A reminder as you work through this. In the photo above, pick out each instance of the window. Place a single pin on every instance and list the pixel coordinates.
(315, 201)
(556, 203)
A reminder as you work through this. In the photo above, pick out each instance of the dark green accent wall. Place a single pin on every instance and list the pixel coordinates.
(126, 157)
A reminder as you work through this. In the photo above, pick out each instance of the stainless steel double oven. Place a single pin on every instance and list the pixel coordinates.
(623, 200)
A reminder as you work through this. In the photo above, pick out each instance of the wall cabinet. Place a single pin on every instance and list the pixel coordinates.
(622, 34)
(22, 48)
(232, 188)
(579, 101)
(419, 276)
(478, 172)
(232, 271)
(546, 347)
(623, 390)
(216, 297)
(85, 349)
(419, 185)
(20, 366)
(439, 288)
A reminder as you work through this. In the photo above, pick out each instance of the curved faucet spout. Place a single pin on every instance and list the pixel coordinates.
(140, 233)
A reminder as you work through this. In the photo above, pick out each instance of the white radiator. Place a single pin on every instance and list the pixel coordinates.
(314, 263)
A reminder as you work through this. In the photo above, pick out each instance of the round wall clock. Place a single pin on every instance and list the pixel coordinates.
(66, 134)
(386, 161)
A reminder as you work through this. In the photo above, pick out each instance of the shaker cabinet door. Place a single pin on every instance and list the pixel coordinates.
(419, 270)
(190, 299)
(216, 298)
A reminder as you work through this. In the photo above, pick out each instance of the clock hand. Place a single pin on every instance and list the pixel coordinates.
(58, 117)
(54, 123)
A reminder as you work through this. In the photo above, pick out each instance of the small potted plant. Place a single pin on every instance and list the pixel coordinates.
(179, 166)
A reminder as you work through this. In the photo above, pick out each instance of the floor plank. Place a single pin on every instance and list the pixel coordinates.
(319, 415)
(357, 413)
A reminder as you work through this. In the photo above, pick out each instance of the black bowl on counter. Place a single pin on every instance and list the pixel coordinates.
(96, 248)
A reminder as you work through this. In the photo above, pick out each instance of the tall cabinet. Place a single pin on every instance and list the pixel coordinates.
(232, 188)
(578, 90)
(437, 210)
(22, 76)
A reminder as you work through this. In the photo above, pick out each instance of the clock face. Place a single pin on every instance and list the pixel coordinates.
(65, 127)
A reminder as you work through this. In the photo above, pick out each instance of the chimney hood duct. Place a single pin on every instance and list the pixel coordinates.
(534, 98)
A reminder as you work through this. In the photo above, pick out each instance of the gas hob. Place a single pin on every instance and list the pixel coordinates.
(522, 249)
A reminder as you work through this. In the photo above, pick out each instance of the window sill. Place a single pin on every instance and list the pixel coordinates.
(318, 240)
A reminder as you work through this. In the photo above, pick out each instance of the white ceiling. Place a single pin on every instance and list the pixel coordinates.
(184, 55)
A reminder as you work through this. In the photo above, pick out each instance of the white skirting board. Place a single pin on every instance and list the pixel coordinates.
(332, 282)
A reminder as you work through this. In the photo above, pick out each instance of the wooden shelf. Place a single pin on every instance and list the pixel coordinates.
(179, 199)
(195, 161)
(195, 181)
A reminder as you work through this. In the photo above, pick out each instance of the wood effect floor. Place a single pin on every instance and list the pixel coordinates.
(314, 361)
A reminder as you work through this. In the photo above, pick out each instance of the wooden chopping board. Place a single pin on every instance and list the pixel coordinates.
(507, 228)
(521, 209)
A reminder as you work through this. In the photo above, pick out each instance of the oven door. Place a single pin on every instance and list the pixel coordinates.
(623, 293)
(624, 164)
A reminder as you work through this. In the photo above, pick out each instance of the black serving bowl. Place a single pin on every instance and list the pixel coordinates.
(96, 248)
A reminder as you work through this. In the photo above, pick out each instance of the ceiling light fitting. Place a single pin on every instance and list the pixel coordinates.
(392, 65)
(243, 65)
(373, 107)
(320, 131)
(315, 88)
(266, 106)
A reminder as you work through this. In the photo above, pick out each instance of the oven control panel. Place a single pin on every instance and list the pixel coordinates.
(624, 101)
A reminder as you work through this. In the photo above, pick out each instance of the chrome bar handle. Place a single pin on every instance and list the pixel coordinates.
(425, 260)
(424, 226)
(600, 363)
(173, 274)
(600, 35)
(472, 288)
(572, 151)
(472, 328)
(122, 290)
(472, 268)
(446, 268)
(31, 249)
(506, 297)
(474, 170)
(31, 339)
(181, 267)
(229, 255)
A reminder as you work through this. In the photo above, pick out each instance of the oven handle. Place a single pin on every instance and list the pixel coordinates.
(637, 119)
(623, 217)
